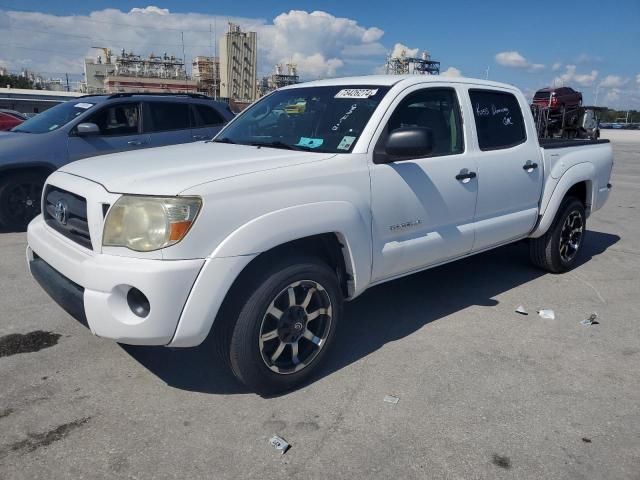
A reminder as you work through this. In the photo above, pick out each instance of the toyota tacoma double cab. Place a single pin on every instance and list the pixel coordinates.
(313, 194)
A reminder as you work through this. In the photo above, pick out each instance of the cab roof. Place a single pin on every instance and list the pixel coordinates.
(391, 80)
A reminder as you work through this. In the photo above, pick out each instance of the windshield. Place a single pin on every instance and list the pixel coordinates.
(54, 118)
(321, 119)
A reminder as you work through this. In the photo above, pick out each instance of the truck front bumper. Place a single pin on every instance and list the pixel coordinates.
(95, 288)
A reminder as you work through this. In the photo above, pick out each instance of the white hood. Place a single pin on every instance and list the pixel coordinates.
(171, 170)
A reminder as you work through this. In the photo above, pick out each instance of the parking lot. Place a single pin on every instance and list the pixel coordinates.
(484, 392)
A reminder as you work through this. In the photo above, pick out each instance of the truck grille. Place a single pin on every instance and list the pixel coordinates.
(66, 213)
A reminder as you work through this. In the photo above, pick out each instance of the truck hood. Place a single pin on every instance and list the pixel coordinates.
(171, 170)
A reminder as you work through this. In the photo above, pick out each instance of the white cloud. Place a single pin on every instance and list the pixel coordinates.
(613, 81)
(514, 59)
(399, 50)
(571, 76)
(612, 96)
(320, 43)
(638, 79)
(556, 66)
(451, 72)
(587, 58)
(151, 9)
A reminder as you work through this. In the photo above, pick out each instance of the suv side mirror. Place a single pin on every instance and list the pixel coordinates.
(408, 142)
(86, 128)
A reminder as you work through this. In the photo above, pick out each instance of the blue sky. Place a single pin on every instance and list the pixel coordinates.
(590, 45)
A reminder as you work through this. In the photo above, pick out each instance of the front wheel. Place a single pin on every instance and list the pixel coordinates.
(288, 314)
(558, 249)
(20, 199)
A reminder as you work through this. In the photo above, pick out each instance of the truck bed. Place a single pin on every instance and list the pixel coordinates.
(549, 143)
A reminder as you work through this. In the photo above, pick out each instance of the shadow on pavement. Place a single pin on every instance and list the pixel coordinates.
(382, 314)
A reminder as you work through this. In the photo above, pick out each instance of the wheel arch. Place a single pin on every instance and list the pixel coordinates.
(576, 181)
(321, 227)
(36, 167)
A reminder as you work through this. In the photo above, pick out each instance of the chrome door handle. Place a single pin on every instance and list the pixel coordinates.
(134, 142)
(530, 166)
(199, 137)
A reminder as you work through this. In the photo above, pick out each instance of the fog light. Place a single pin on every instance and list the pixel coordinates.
(138, 303)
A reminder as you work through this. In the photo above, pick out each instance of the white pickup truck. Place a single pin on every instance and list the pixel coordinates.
(312, 195)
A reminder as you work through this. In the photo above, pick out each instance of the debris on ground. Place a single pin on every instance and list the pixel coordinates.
(591, 320)
(586, 440)
(521, 310)
(391, 399)
(279, 444)
(547, 313)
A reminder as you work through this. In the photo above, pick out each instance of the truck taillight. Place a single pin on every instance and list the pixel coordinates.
(554, 101)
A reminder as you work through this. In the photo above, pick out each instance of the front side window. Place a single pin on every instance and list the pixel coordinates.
(436, 109)
(321, 119)
(119, 119)
(499, 120)
(166, 116)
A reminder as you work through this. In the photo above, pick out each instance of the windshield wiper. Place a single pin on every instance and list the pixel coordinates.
(223, 140)
(279, 144)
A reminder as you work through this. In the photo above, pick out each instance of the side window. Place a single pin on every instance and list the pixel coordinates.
(499, 121)
(434, 108)
(119, 119)
(206, 116)
(168, 116)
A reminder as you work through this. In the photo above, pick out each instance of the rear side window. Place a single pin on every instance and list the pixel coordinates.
(205, 116)
(499, 120)
(168, 116)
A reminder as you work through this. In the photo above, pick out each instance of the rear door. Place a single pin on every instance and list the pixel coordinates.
(120, 130)
(509, 167)
(423, 207)
(167, 123)
(206, 121)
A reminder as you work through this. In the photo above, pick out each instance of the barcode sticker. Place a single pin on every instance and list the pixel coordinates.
(356, 93)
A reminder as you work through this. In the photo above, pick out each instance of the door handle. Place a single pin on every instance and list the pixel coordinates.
(530, 166)
(135, 142)
(465, 176)
(199, 137)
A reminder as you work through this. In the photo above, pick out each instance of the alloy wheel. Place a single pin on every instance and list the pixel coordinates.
(571, 236)
(295, 327)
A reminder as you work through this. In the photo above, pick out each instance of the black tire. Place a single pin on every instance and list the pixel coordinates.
(20, 199)
(545, 251)
(240, 328)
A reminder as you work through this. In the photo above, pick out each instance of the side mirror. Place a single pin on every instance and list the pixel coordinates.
(85, 129)
(409, 142)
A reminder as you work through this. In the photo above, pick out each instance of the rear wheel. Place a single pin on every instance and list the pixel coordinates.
(558, 249)
(20, 199)
(285, 322)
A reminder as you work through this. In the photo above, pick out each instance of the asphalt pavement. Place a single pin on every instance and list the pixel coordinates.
(484, 392)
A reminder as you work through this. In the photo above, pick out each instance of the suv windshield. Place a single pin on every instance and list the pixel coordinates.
(54, 118)
(322, 119)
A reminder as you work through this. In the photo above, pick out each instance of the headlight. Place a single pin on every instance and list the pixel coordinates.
(149, 223)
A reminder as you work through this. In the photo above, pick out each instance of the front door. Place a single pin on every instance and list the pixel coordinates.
(423, 208)
(510, 169)
(120, 130)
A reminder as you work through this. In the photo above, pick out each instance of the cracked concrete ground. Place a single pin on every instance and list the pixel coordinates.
(484, 392)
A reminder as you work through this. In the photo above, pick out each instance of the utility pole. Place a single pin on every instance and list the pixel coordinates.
(486, 73)
(67, 77)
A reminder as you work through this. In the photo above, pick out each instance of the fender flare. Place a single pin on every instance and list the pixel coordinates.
(292, 223)
(582, 172)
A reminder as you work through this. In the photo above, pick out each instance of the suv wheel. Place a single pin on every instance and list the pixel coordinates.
(557, 250)
(286, 323)
(20, 199)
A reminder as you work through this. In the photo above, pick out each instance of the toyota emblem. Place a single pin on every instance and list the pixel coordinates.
(60, 212)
